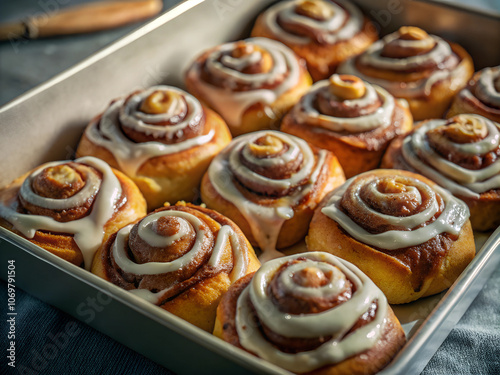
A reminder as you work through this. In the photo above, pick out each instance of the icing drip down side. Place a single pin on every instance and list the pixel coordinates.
(184, 112)
(264, 87)
(185, 222)
(227, 172)
(420, 155)
(88, 231)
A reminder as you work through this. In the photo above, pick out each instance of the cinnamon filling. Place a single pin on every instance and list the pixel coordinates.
(174, 108)
(410, 42)
(295, 303)
(301, 304)
(242, 50)
(269, 148)
(376, 139)
(61, 182)
(461, 130)
(396, 50)
(344, 88)
(58, 182)
(474, 101)
(315, 10)
(141, 252)
(245, 58)
(399, 201)
(425, 259)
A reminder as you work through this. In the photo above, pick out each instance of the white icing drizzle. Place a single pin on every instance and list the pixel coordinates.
(187, 222)
(131, 155)
(89, 230)
(460, 181)
(345, 22)
(335, 322)
(486, 91)
(451, 220)
(304, 111)
(92, 185)
(372, 57)
(265, 221)
(232, 104)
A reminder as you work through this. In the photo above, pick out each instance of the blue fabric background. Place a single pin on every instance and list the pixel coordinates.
(473, 347)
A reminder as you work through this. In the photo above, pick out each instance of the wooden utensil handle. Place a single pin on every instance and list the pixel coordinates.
(83, 19)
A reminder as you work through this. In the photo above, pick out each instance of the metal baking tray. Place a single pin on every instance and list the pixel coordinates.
(45, 124)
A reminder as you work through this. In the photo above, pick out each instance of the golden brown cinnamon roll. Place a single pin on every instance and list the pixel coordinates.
(311, 313)
(324, 33)
(462, 154)
(421, 68)
(181, 258)
(162, 138)
(69, 208)
(353, 119)
(481, 96)
(250, 83)
(410, 236)
(269, 184)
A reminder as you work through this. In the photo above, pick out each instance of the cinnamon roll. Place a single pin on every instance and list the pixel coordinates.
(162, 138)
(311, 313)
(462, 154)
(250, 83)
(481, 96)
(324, 33)
(269, 184)
(353, 119)
(410, 236)
(421, 68)
(70, 207)
(181, 258)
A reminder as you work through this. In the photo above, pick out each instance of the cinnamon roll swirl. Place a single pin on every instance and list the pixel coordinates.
(269, 184)
(181, 258)
(424, 69)
(462, 154)
(311, 313)
(324, 33)
(481, 96)
(69, 208)
(410, 236)
(162, 138)
(353, 119)
(250, 83)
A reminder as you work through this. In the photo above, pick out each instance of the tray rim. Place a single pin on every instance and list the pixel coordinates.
(182, 7)
(178, 9)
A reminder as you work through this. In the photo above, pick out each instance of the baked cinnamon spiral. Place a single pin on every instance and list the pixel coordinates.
(411, 64)
(311, 313)
(353, 119)
(181, 258)
(69, 208)
(410, 236)
(481, 96)
(269, 183)
(462, 154)
(250, 83)
(324, 33)
(162, 138)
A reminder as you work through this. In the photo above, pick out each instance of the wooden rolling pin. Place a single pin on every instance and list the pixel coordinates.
(82, 19)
